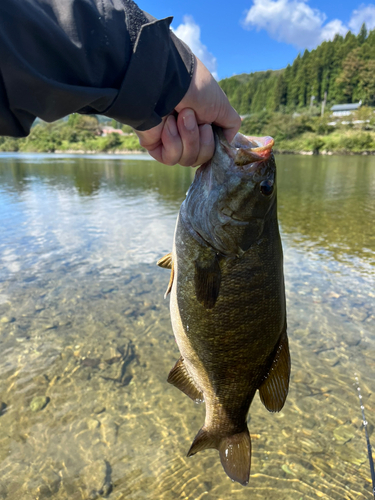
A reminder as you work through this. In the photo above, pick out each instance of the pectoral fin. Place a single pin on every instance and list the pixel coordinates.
(274, 389)
(180, 378)
(207, 280)
(166, 261)
(171, 278)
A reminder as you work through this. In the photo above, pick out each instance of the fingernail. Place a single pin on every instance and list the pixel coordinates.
(189, 120)
(172, 127)
(206, 135)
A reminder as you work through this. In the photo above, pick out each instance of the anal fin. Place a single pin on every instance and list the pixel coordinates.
(180, 378)
(274, 389)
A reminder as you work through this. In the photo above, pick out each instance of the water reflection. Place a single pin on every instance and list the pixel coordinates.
(330, 201)
(86, 342)
(90, 174)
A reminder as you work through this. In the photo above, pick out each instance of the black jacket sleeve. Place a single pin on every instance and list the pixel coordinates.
(87, 56)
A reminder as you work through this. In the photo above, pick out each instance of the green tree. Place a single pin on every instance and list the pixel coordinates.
(362, 35)
(366, 84)
(349, 78)
(280, 93)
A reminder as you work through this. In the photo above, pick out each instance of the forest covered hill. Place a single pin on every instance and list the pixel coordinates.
(343, 68)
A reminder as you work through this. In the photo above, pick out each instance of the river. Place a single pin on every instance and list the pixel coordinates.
(86, 342)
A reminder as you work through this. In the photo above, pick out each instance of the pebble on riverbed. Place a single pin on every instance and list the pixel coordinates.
(7, 319)
(39, 403)
(344, 433)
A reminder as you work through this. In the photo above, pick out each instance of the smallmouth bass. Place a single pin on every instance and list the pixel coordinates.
(227, 297)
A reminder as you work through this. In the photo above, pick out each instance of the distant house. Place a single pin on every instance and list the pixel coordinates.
(111, 130)
(345, 109)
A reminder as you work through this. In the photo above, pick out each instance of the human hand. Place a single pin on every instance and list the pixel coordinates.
(188, 138)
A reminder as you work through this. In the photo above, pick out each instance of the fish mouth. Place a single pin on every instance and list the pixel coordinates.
(250, 150)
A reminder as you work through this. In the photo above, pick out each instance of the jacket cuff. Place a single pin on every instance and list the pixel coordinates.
(157, 78)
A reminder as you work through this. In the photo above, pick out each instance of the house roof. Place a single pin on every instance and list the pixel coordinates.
(346, 107)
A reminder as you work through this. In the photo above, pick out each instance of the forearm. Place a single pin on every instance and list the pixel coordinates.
(63, 56)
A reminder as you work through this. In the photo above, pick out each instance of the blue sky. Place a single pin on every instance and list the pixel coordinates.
(243, 36)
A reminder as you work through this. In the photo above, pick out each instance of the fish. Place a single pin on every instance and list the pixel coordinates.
(227, 297)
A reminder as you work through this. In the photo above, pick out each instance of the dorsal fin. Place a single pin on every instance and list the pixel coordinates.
(235, 452)
(180, 378)
(274, 389)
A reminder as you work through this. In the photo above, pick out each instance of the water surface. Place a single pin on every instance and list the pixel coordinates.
(84, 328)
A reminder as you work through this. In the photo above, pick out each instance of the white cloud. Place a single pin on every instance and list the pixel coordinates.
(287, 21)
(190, 33)
(296, 23)
(331, 29)
(365, 14)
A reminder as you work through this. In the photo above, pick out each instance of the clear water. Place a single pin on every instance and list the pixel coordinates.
(84, 327)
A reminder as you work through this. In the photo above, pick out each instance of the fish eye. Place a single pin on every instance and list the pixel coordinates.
(266, 187)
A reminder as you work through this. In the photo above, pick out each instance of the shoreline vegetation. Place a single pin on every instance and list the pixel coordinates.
(292, 105)
(305, 132)
(80, 134)
(297, 133)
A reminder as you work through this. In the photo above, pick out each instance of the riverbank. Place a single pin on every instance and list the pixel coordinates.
(323, 153)
(293, 134)
(304, 133)
(343, 141)
(93, 152)
(142, 152)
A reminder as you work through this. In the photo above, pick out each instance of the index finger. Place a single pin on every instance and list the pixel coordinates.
(228, 119)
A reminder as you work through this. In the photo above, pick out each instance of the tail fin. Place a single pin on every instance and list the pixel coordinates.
(235, 452)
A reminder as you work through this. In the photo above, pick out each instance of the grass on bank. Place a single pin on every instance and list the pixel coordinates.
(78, 133)
(311, 133)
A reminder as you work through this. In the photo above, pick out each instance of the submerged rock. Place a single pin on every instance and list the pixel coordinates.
(97, 479)
(92, 423)
(352, 456)
(99, 409)
(39, 403)
(90, 362)
(3, 408)
(109, 430)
